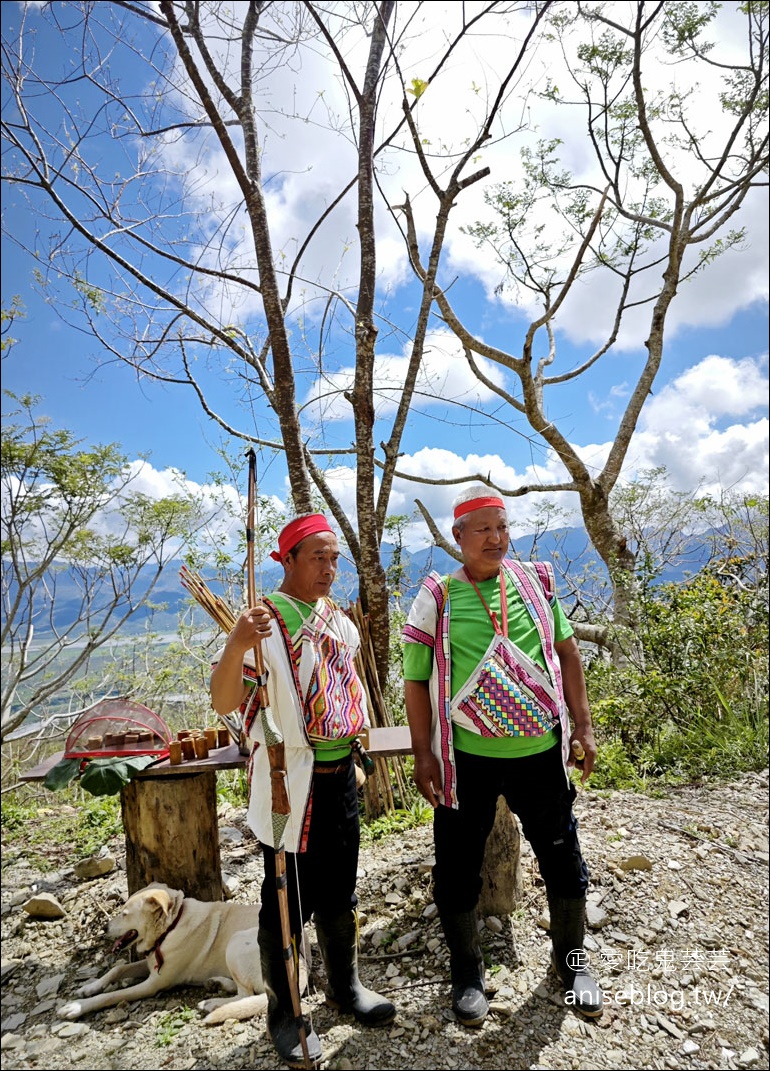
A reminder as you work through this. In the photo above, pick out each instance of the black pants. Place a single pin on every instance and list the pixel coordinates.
(538, 793)
(322, 878)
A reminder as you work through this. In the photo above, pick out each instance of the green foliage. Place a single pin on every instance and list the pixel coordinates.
(63, 773)
(106, 777)
(100, 777)
(233, 787)
(15, 814)
(394, 687)
(171, 1023)
(93, 296)
(71, 521)
(417, 87)
(74, 828)
(419, 813)
(699, 704)
(99, 821)
(7, 318)
(394, 690)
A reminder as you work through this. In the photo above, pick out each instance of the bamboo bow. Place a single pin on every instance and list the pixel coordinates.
(280, 807)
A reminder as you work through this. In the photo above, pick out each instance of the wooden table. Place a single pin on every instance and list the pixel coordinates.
(170, 815)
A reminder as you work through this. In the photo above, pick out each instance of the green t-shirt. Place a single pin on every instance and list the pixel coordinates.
(470, 634)
(293, 611)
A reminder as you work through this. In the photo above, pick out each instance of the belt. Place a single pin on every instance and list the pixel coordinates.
(336, 768)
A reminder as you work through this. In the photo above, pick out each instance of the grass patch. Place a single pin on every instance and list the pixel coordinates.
(233, 787)
(419, 813)
(171, 1023)
(50, 837)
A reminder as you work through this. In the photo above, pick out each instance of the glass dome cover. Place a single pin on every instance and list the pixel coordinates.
(117, 727)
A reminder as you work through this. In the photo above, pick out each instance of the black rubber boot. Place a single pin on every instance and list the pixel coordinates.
(568, 958)
(338, 941)
(282, 1024)
(466, 965)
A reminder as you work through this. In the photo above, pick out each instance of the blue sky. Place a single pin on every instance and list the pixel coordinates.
(706, 421)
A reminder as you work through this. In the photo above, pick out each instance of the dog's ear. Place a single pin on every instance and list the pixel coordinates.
(161, 904)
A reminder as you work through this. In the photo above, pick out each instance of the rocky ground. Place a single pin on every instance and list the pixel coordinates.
(678, 934)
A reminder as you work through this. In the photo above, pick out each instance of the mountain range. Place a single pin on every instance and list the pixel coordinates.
(569, 549)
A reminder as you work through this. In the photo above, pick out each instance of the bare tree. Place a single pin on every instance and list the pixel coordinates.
(160, 150)
(667, 184)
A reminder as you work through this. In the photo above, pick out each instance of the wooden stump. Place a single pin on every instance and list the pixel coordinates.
(172, 834)
(501, 887)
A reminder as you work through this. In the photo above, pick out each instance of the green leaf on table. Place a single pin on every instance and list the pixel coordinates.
(106, 777)
(62, 773)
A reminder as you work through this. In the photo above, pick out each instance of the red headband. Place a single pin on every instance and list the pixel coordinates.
(296, 531)
(478, 503)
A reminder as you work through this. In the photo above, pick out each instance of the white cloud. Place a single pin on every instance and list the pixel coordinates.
(679, 429)
(222, 506)
(723, 387)
(308, 157)
(607, 401)
(734, 281)
(444, 376)
(435, 464)
(685, 428)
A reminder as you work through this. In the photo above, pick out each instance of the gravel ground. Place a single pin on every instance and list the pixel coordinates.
(678, 936)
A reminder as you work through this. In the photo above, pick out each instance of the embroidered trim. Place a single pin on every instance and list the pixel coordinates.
(416, 635)
(293, 652)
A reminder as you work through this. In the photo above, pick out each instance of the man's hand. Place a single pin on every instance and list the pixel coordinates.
(228, 690)
(582, 751)
(427, 776)
(427, 771)
(253, 626)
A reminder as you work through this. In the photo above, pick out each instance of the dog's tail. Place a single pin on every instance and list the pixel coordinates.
(233, 1008)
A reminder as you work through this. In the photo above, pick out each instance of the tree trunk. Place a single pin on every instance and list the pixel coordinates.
(172, 834)
(501, 888)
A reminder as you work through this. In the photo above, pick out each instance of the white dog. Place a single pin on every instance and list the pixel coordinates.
(185, 942)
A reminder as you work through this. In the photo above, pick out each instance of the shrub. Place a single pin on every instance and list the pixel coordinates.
(699, 704)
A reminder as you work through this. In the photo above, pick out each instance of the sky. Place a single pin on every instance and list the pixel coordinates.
(705, 421)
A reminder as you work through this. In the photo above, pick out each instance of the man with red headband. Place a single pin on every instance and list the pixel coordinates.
(492, 670)
(319, 705)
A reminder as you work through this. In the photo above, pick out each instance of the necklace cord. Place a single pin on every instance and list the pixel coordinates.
(503, 602)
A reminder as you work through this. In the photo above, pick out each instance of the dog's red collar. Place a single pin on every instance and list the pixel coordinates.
(162, 938)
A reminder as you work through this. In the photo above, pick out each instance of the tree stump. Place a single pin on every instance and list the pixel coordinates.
(502, 885)
(172, 834)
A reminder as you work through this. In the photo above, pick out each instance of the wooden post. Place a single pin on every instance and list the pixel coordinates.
(501, 888)
(172, 833)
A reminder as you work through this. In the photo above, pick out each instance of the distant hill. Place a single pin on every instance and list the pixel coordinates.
(569, 549)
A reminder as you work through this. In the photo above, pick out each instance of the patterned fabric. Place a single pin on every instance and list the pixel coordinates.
(508, 696)
(333, 703)
(532, 594)
(333, 700)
